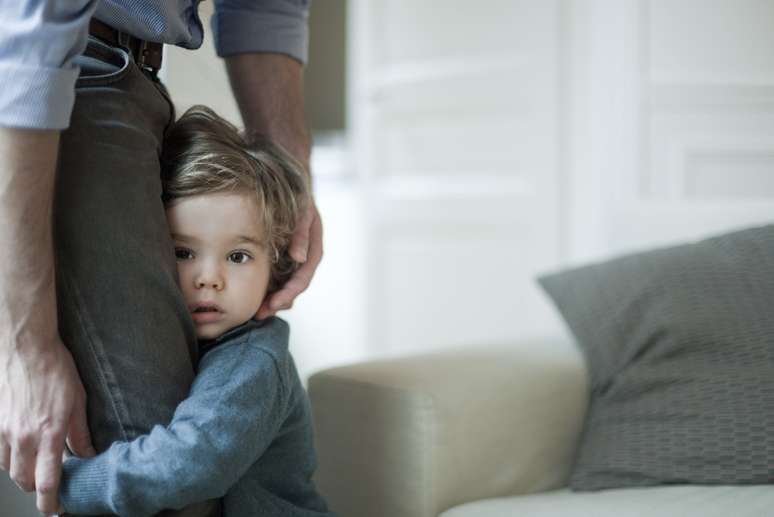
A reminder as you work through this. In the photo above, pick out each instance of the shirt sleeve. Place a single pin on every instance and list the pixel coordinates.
(39, 40)
(281, 26)
(233, 412)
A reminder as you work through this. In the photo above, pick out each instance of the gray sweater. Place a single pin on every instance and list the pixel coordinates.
(244, 433)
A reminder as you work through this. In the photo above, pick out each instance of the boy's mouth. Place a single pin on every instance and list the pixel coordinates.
(205, 307)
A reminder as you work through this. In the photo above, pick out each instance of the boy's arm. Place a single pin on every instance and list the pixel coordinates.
(232, 414)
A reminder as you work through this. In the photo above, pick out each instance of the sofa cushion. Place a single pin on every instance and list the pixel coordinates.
(673, 501)
(680, 347)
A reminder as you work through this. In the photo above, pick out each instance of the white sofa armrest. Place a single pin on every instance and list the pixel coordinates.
(412, 437)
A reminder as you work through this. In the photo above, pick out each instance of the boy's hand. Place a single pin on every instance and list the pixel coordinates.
(306, 249)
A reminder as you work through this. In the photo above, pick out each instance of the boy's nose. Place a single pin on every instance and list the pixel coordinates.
(215, 284)
(209, 278)
(209, 274)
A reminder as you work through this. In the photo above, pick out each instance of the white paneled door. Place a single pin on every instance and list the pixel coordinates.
(503, 138)
(455, 121)
(672, 121)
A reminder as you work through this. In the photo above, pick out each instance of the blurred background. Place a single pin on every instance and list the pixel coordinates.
(462, 148)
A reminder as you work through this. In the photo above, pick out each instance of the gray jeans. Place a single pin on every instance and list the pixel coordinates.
(121, 311)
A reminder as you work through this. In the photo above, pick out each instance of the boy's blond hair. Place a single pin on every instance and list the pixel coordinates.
(205, 154)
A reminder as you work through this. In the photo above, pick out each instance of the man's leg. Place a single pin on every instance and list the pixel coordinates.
(121, 312)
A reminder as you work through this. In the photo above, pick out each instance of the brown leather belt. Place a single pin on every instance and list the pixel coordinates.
(146, 54)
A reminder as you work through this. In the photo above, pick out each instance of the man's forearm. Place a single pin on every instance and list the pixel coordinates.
(27, 277)
(269, 90)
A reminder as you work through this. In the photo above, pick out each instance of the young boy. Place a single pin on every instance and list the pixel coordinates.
(244, 432)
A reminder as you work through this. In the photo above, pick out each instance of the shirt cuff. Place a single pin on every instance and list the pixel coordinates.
(35, 97)
(282, 29)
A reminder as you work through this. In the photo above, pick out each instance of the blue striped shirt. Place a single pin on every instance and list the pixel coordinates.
(40, 38)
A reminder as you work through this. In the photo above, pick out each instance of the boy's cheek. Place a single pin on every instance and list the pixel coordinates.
(183, 276)
(182, 269)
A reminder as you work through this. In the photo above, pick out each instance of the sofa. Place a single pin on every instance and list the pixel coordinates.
(479, 432)
(658, 400)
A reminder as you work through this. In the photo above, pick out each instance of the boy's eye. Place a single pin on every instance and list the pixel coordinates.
(182, 253)
(239, 257)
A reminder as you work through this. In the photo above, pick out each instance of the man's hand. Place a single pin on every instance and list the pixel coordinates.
(42, 403)
(305, 248)
(269, 91)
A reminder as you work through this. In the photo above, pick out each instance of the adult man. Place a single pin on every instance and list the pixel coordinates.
(87, 270)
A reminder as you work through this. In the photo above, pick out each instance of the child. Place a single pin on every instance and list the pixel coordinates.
(244, 432)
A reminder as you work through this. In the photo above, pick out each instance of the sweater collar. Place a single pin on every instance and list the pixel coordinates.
(205, 345)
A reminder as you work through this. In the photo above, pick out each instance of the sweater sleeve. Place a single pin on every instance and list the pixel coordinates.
(235, 409)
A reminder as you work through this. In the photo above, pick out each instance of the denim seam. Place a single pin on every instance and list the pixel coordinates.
(104, 371)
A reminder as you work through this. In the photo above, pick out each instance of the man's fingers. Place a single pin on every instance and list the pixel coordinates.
(78, 435)
(300, 280)
(299, 242)
(287, 306)
(315, 241)
(264, 311)
(280, 300)
(22, 468)
(48, 472)
(296, 284)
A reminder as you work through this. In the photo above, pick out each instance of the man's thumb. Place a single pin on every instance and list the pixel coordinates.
(78, 436)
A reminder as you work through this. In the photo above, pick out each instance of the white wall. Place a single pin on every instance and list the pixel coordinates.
(455, 131)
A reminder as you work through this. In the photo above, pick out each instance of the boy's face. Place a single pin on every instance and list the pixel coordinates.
(222, 259)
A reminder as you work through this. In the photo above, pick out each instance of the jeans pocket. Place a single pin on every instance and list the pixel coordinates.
(102, 64)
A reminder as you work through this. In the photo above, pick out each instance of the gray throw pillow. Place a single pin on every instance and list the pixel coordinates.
(680, 347)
